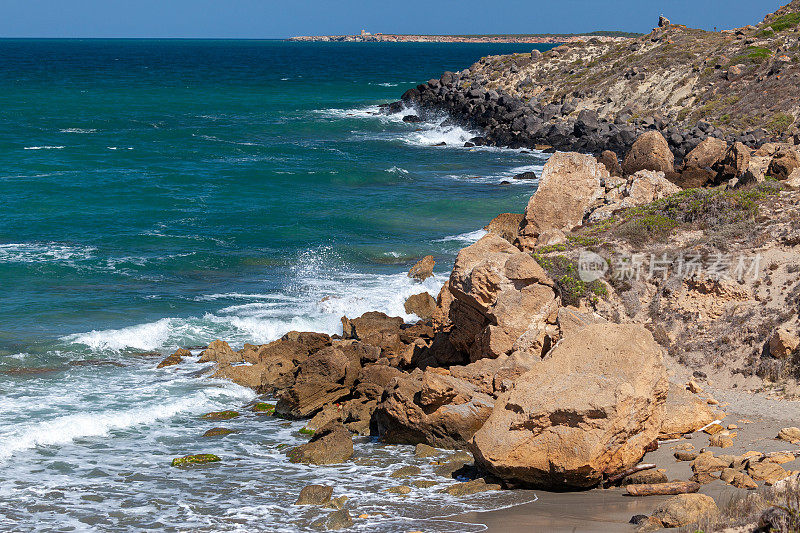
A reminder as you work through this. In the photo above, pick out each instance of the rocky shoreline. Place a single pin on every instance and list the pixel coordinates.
(635, 332)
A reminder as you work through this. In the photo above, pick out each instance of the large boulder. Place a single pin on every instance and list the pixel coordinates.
(735, 162)
(431, 408)
(590, 409)
(304, 400)
(646, 186)
(423, 305)
(570, 185)
(706, 154)
(684, 412)
(503, 301)
(649, 152)
(610, 160)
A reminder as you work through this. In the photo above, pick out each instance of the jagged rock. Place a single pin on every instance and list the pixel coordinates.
(304, 400)
(769, 473)
(314, 495)
(684, 413)
(423, 269)
(685, 509)
(590, 408)
(377, 329)
(571, 321)
(649, 152)
(374, 378)
(220, 352)
(569, 186)
(175, 358)
(329, 445)
(706, 154)
(338, 520)
(647, 186)
(502, 300)
(663, 21)
(735, 162)
(494, 376)
(785, 161)
(329, 364)
(423, 305)
(783, 343)
(506, 225)
(431, 408)
(610, 160)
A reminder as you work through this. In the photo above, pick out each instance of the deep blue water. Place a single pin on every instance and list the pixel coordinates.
(157, 194)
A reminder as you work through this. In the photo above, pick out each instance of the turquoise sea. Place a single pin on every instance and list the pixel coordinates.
(161, 194)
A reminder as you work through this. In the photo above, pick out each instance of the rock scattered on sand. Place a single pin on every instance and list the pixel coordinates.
(685, 509)
(314, 495)
(467, 488)
(791, 434)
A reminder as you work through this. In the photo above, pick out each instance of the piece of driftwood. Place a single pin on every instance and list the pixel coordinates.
(622, 475)
(663, 489)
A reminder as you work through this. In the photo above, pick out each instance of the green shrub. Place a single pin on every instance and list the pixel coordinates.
(780, 123)
(785, 22)
(570, 287)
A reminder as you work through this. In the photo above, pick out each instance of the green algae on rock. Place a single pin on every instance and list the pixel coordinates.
(197, 459)
(220, 415)
(219, 432)
(264, 408)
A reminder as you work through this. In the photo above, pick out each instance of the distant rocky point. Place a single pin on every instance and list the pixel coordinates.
(551, 38)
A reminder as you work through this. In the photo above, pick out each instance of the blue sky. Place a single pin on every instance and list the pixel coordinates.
(284, 18)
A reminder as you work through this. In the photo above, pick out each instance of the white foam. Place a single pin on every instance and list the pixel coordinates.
(43, 252)
(433, 133)
(78, 130)
(469, 237)
(44, 147)
(397, 170)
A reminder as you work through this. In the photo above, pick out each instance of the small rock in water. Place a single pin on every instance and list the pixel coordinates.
(470, 487)
(264, 408)
(469, 145)
(218, 432)
(411, 119)
(423, 269)
(406, 471)
(175, 358)
(197, 459)
(220, 415)
(441, 144)
(314, 495)
(530, 175)
(402, 490)
(423, 450)
(339, 520)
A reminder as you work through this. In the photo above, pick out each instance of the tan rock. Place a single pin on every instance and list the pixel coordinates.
(783, 342)
(706, 154)
(743, 481)
(423, 269)
(220, 352)
(376, 329)
(175, 358)
(785, 161)
(647, 186)
(423, 305)
(431, 408)
(590, 408)
(706, 463)
(610, 160)
(505, 225)
(569, 186)
(649, 152)
(791, 434)
(685, 509)
(330, 445)
(735, 162)
(684, 413)
(769, 473)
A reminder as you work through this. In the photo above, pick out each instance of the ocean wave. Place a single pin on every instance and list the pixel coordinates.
(469, 237)
(65, 429)
(44, 252)
(44, 147)
(319, 295)
(397, 170)
(78, 130)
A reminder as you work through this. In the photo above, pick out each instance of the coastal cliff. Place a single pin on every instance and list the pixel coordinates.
(738, 85)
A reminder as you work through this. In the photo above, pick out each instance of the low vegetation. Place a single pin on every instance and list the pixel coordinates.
(564, 271)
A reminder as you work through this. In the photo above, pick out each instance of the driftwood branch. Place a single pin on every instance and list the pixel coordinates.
(663, 489)
(622, 475)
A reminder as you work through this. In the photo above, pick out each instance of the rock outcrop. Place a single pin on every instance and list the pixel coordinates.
(649, 152)
(590, 409)
(570, 185)
(502, 301)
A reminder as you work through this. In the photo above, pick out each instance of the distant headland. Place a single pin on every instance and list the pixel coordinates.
(365, 36)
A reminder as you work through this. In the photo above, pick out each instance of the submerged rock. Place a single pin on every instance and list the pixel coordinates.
(175, 358)
(314, 495)
(219, 432)
(220, 415)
